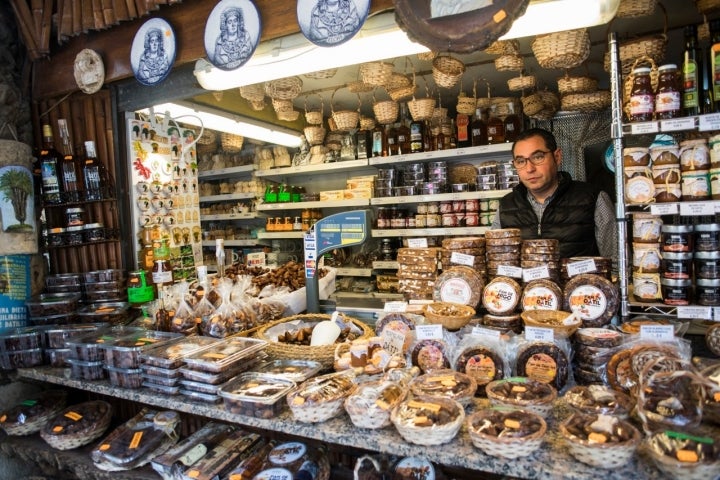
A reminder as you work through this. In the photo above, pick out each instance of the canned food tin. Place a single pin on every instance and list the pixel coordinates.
(677, 238)
(676, 265)
(707, 237)
(707, 292)
(472, 205)
(446, 207)
(707, 265)
(676, 291)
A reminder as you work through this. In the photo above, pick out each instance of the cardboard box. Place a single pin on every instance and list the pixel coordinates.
(331, 195)
(358, 193)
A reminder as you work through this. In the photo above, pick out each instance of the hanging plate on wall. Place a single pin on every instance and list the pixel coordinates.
(331, 22)
(153, 51)
(232, 32)
(460, 26)
(89, 71)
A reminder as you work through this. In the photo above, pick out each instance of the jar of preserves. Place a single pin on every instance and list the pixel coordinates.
(383, 218)
(677, 238)
(667, 95)
(707, 237)
(707, 292)
(75, 216)
(56, 237)
(676, 291)
(642, 96)
(94, 232)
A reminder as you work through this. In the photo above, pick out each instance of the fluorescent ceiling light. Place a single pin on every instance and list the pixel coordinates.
(379, 38)
(208, 117)
(546, 16)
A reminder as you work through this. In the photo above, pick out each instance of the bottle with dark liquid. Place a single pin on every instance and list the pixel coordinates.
(392, 139)
(417, 134)
(428, 137)
(163, 318)
(462, 124)
(50, 161)
(363, 143)
(403, 131)
(71, 169)
(379, 141)
(691, 73)
(452, 138)
(495, 127)
(94, 174)
(714, 64)
(512, 124)
(478, 129)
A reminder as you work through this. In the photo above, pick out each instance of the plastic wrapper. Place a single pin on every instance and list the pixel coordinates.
(30, 416)
(683, 456)
(445, 383)
(137, 441)
(483, 358)
(371, 404)
(184, 320)
(432, 354)
(598, 399)
(225, 455)
(547, 362)
(711, 398)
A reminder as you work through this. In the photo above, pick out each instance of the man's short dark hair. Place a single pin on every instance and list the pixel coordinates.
(548, 137)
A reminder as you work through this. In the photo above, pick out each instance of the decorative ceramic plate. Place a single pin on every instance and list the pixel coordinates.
(232, 33)
(331, 22)
(153, 51)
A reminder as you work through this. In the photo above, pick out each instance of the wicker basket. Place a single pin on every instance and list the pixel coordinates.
(580, 84)
(209, 137)
(432, 435)
(465, 104)
(602, 455)
(20, 420)
(433, 384)
(386, 111)
(542, 406)
(322, 74)
(325, 354)
(505, 447)
(376, 74)
(288, 115)
(231, 143)
(532, 104)
(252, 93)
(652, 46)
(257, 105)
(366, 123)
(635, 8)
(707, 6)
(447, 70)
(503, 47)
(509, 63)
(82, 437)
(427, 56)
(564, 49)
(398, 94)
(523, 82)
(586, 102)
(286, 88)
(314, 117)
(345, 120)
(364, 409)
(282, 105)
(676, 469)
(398, 80)
(331, 404)
(486, 101)
(552, 319)
(315, 134)
(452, 316)
(359, 86)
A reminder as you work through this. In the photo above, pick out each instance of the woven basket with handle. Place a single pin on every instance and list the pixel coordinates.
(315, 134)
(564, 49)
(576, 84)
(345, 120)
(532, 104)
(376, 74)
(284, 88)
(523, 82)
(322, 74)
(503, 47)
(586, 102)
(252, 93)
(231, 143)
(635, 8)
(366, 123)
(314, 116)
(427, 56)
(509, 63)
(398, 80)
(652, 46)
(386, 111)
(447, 70)
(421, 108)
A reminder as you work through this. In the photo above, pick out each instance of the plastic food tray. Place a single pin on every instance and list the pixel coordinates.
(155, 387)
(114, 286)
(53, 320)
(203, 397)
(114, 313)
(86, 347)
(47, 304)
(222, 356)
(63, 280)
(86, 370)
(125, 351)
(199, 387)
(106, 296)
(168, 382)
(220, 377)
(57, 357)
(21, 359)
(171, 355)
(103, 276)
(55, 336)
(125, 377)
(256, 394)
(21, 339)
(295, 370)
(158, 372)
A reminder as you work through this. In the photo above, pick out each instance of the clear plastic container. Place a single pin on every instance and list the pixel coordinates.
(291, 369)
(225, 354)
(167, 390)
(52, 320)
(109, 275)
(203, 397)
(55, 336)
(26, 338)
(86, 347)
(256, 394)
(106, 296)
(82, 370)
(199, 387)
(21, 359)
(115, 285)
(165, 381)
(47, 304)
(125, 351)
(125, 377)
(220, 377)
(114, 313)
(57, 357)
(160, 372)
(171, 355)
(63, 280)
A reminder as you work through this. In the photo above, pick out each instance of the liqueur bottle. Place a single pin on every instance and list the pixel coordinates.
(714, 61)
(495, 127)
(462, 124)
(478, 129)
(70, 169)
(417, 134)
(94, 174)
(49, 161)
(691, 73)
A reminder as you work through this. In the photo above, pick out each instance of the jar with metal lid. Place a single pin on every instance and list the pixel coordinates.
(56, 237)
(75, 216)
(707, 265)
(636, 157)
(676, 291)
(642, 96)
(676, 264)
(667, 95)
(707, 237)
(74, 235)
(94, 232)
(677, 238)
(421, 220)
(707, 292)
(694, 155)
(297, 224)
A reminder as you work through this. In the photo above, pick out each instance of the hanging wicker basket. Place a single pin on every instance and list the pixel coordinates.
(447, 70)
(345, 120)
(322, 74)
(503, 47)
(551, 104)
(652, 46)
(314, 134)
(386, 111)
(314, 116)
(707, 6)
(578, 84)
(398, 80)
(257, 105)
(231, 143)
(484, 102)
(586, 102)
(509, 63)
(208, 137)
(401, 93)
(466, 105)
(288, 115)
(421, 108)
(376, 74)
(532, 104)
(427, 56)
(252, 93)
(366, 123)
(635, 8)
(564, 49)
(359, 87)
(284, 88)
(523, 82)
(282, 105)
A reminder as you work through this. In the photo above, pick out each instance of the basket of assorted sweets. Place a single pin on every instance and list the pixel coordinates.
(505, 432)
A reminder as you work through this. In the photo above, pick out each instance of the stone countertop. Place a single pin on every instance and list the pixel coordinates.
(551, 461)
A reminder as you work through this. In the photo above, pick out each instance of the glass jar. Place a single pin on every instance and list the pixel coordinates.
(94, 232)
(707, 237)
(677, 238)
(667, 95)
(383, 218)
(642, 97)
(676, 265)
(74, 235)
(707, 292)
(75, 216)
(56, 237)
(707, 265)
(676, 291)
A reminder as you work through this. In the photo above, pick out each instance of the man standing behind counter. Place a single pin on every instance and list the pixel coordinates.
(548, 203)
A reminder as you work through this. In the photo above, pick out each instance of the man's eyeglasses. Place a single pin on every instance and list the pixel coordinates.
(536, 159)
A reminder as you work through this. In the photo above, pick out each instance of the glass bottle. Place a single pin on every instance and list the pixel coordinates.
(379, 141)
(50, 167)
(667, 96)
(94, 174)
(417, 134)
(220, 256)
(512, 124)
(478, 129)
(495, 127)
(440, 139)
(363, 143)
(714, 70)
(71, 169)
(162, 272)
(162, 316)
(462, 123)
(692, 69)
(403, 131)
(392, 139)
(642, 98)
(427, 137)
(452, 138)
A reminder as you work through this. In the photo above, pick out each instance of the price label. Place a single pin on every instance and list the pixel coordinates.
(676, 124)
(396, 307)
(256, 259)
(486, 332)
(664, 209)
(393, 341)
(583, 266)
(710, 121)
(694, 312)
(509, 271)
(539, 334)
(417, 243)
(697, 208)
(462, 259)
(663, 333)
(716, 314)
(536, 273)
(644, 127)
(429, 332)
(386, 265)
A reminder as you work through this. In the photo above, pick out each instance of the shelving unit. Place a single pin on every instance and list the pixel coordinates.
(226, 172)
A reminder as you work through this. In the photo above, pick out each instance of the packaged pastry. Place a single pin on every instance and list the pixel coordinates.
(669, 399)
(481, 360)
(256, 394)
(597, 399)
(425, 420)
(501, 295)
(601, 441)
(30, 416)
(171, 354)
(321, 398)
(541, 294)
(223, 457)
(223, 355)
(88, 346)
(593, 297)
(459, 284)
(545, 362)
(372, 402)
(458, 243)
(430, 354)
(598, 337)
(135, 442)
(125, 351)
(77, 425)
